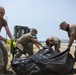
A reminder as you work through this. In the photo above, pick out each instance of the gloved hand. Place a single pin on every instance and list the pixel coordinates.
(8, 41)
(14, 44)
(68, 49)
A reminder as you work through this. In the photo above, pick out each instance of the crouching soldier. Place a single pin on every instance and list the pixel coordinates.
(53, 41)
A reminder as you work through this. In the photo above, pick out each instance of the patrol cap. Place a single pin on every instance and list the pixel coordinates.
(33, 29)
(61, 24)
(48, 41)
(51, 41)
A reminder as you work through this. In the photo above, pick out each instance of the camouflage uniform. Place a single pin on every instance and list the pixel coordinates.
(71, 30)
(24, 43)
(1, 58)
(56, 42)
(4, 55)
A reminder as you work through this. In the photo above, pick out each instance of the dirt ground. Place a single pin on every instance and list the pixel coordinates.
(63, 47)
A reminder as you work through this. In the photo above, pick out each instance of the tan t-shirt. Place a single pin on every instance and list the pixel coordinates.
(25, 39)
(56, 42)
(3, 23)
(72, 30)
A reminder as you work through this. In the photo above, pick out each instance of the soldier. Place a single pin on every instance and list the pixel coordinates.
(3, 23)
(53, 41)
(23, 43)
(71, 31)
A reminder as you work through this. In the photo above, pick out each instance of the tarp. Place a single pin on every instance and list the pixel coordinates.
(46, 60)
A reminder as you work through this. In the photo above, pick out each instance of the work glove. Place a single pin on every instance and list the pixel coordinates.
(14, 44)
(8, 41)
(68, 49)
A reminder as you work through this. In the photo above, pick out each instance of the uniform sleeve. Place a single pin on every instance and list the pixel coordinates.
(72, 30)
(30, 37)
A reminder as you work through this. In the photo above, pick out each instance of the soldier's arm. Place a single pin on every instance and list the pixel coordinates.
(37, 46)
(35, 41)
(8, 32)
(71, 40)
(2, 38)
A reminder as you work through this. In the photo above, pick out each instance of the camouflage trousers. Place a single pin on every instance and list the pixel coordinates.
(3, 56)
(1, 60)
(26, 49)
